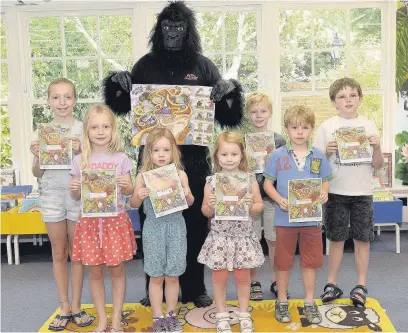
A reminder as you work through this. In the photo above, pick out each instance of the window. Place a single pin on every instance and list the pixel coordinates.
(322, 44)
(229, 39)
(5, 150)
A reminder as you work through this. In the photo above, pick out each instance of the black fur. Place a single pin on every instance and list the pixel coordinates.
(115, 96)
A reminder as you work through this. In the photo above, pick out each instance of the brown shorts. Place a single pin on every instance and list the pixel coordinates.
(310, 247)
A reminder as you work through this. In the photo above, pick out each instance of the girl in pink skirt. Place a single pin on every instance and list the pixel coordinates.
(101, 241)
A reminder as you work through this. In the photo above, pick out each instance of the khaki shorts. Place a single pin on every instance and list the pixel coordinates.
(268, 218)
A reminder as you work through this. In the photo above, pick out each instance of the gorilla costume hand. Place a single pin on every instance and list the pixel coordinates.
(221, 88)
(124, 79)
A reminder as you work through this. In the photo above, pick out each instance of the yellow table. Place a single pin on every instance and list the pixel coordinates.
(15, 224)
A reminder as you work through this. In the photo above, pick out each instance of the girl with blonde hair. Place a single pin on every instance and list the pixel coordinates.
(165, 237)
(108, 241)
(231, 245)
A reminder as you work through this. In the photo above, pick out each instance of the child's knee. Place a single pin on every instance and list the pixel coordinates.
(171, 279)
(242, 277)
(220, 276)
(157, 280)
(117, 271)
(97, 272)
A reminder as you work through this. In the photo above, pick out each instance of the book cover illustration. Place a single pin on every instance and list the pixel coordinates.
(30, 205)
(186, 111)
(230, 191)
(353, 145)
(55, 146)
(99, 193)
(259, 147)
(303, 197)
(8, 177)
(166, 192)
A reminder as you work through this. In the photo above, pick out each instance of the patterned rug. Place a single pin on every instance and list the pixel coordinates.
(339, 316)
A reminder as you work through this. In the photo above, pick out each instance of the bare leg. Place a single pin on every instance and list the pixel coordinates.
(96, 277)
(361, 257)
(242, 280)
(335, 259)
(57, 233)
(254, 275)
(282, 281)
(118, 277)
(156, 295)
(77, 272)
(271, 254)
(309, 283)
(219, 280)
(171, 292)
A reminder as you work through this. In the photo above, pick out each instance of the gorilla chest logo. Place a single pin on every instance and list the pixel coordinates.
(344, 317)
(191, 77)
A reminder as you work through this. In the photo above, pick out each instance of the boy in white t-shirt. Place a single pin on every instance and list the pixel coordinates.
(350, 198)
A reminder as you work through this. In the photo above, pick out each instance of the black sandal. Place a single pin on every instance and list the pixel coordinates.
(331, 292)
(358, 295)
(64, 320)
(256, 291)
(274, 290)
(77, 318)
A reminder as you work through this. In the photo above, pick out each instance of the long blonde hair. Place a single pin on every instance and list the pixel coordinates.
(154, 136)
(115, 143)
(229, 137)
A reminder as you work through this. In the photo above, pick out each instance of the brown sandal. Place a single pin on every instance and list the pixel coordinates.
(256, 291)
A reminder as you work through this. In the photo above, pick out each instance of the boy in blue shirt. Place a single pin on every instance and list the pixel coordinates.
(297, 160)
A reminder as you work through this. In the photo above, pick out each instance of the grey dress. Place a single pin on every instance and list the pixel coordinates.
(164, 243)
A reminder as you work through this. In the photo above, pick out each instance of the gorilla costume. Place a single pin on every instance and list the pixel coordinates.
(175, 59)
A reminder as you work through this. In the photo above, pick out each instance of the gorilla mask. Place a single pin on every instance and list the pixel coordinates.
(173, 34)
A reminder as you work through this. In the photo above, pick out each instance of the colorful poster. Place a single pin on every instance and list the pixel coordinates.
(99, 193)
(8, 177)
(186, 111)
(230, 191)
(166, 192)
(353, 145)
(304, 204)
(259, 147)
(55, 146)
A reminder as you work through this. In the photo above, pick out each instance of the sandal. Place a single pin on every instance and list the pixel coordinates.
(358, 295)
(64, 320)
(78, 317)
(274, 290)
(331, 292)
(256, 291)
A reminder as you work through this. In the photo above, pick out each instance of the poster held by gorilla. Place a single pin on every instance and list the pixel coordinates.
(186, 111)
(175, 59)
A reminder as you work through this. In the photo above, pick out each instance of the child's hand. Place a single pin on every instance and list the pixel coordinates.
(75, 186)
(76, 144)
(323, 197)
(35, 147)
(331, 148)
(122, 181)
(249, 200)
(374, 141)
(143, 193)
(283, 204)
(211, 201)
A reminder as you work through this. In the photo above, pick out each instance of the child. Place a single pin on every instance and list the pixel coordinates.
(59, 211)
(164, 238)
(231, 245)
(350, 198)
(258, 109)
(107, 241)
(297, 160)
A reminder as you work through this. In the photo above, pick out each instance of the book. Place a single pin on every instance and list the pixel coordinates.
(382, 195)
(353, 145)
(8, 177)
(259, 147)
(99, 193)
(29, 205)
(303, 197)
(55, 146)
(186, 111)
(166, 192)
(231, 190)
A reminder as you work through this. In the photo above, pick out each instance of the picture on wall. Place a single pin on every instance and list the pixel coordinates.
(385, 172)
(186, 111)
